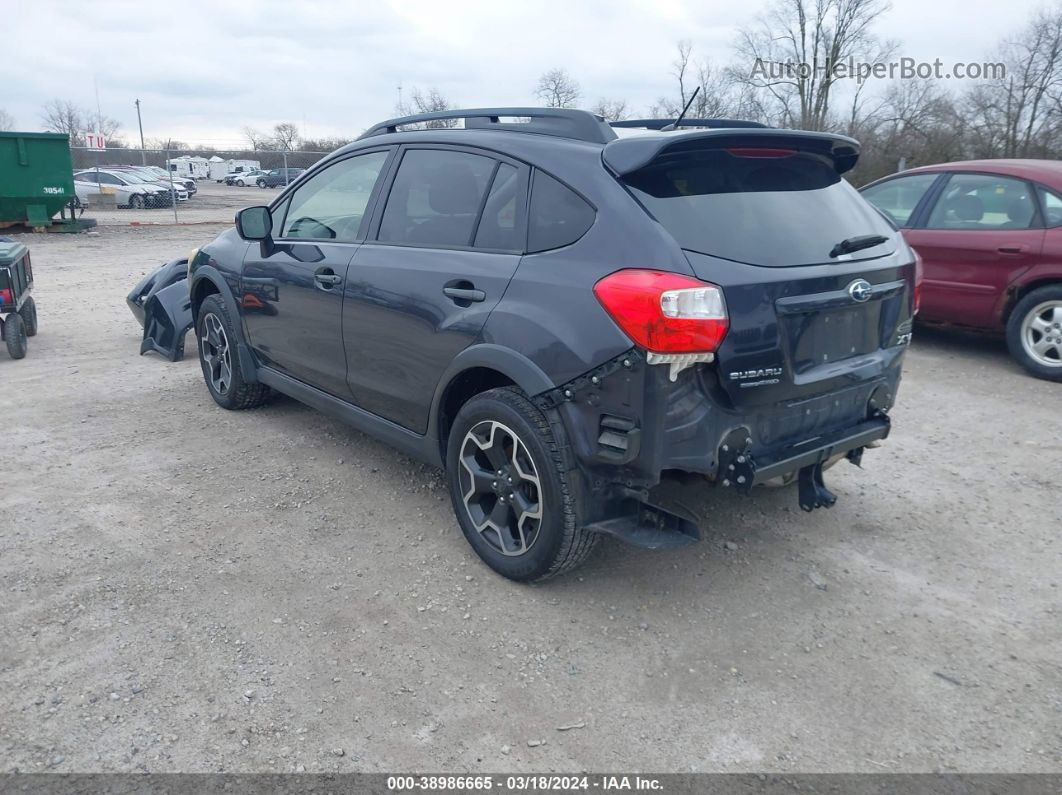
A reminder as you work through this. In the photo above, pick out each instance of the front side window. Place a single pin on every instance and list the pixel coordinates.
(898, 197)
(331, 205)
(984, 201)
(436, 198)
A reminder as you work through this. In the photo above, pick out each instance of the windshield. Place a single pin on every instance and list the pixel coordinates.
(762, 207)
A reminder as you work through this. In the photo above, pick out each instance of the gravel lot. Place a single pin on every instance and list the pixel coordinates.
(188, 589)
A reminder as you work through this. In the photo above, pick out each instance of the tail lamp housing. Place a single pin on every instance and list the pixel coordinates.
(919, 276)
(6, 297)
(677, 319)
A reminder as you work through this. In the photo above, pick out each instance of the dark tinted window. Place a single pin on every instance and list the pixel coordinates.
(435, 198)
(558, 216)
(331, 205)
(898, 197)
(774, 211)
(499, 225)
(983, 201)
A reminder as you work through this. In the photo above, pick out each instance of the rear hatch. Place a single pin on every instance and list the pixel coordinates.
(816, 282)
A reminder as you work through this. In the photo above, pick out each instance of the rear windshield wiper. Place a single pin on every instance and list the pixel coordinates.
(857, 244)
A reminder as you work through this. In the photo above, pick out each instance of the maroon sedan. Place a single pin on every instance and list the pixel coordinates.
(989, 233)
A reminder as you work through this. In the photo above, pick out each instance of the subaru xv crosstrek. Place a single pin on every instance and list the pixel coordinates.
(559, 316)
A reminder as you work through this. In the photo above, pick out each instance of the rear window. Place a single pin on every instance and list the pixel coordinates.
(774, 211)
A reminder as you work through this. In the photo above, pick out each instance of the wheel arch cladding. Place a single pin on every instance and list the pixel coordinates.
(208, 281)
(475, 370)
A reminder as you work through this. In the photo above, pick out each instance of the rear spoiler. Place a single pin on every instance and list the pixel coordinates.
(626, 155)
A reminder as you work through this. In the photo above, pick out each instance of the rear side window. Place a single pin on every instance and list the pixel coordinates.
(435, 198)
(499, 224)
(558, 215)
(1052, 204)
(762, 210)
(899, 197)
(984, 201)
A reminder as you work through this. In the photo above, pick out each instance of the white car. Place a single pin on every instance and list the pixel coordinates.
(146, 173)
(130, 190)
(243, 179)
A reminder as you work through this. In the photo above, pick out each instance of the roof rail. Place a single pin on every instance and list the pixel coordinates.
(580, 125)
(659, 124)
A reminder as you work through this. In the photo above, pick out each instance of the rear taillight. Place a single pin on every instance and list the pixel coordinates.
(919, 275)
(6, 297)
(665, 313)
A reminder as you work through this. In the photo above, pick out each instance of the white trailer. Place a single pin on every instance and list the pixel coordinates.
(190, 166)
(219, 168)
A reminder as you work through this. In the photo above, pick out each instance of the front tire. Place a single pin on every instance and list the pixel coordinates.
(508, 478)
(261, 183)
(1034, 332)
(219, 356)
(15, 336)
(29, 316)
(136, 202)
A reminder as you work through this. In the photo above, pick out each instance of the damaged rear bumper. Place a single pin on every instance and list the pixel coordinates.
(628, 424)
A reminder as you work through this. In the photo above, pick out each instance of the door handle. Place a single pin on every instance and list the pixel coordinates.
(1012, 249)
(327, 280)
(464, 294)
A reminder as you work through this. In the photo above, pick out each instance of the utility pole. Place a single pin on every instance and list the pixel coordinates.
(143, 156)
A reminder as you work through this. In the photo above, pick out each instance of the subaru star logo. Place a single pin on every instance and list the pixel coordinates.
(859, 289)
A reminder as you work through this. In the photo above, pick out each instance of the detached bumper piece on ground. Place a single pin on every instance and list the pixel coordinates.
(161, 303)
(18, 313)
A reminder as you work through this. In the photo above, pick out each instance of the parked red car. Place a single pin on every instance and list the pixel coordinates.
(989, 233)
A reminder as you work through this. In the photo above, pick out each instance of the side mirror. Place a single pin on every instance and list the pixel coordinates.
(254, 223)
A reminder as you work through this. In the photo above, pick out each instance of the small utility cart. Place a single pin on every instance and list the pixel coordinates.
(18, 314)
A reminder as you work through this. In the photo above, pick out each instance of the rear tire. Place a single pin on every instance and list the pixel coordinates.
(15, 336)
(29, 316)
(219, 356)
(1034, 332)
(509, 479)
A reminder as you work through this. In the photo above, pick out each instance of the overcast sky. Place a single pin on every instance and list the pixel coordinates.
(204, 70)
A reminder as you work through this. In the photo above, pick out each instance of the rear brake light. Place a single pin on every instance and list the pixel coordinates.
(756, 151)
(6, 297)
(918, 277)
(665, 313)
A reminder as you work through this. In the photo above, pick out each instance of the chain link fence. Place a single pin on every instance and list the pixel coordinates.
(158, 186)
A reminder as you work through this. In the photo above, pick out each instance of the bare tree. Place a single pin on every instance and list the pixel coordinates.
(167, 144)
(612, 109)
(788, 51)
(7, 121)
(429, 100)
(257, 141)
(63, 116)
(286, 136)
(719, 96)
(558, 89)
(1021, 115)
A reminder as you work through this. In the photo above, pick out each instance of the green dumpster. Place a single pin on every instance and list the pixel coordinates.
(36, 177)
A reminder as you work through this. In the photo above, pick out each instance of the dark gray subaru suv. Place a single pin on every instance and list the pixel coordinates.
(558, 316)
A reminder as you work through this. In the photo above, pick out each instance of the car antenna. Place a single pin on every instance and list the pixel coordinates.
(682, 115)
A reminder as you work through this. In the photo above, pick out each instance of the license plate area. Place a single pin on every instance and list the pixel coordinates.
(830, 335)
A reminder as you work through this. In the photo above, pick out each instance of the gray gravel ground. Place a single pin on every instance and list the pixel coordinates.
(188, 589)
